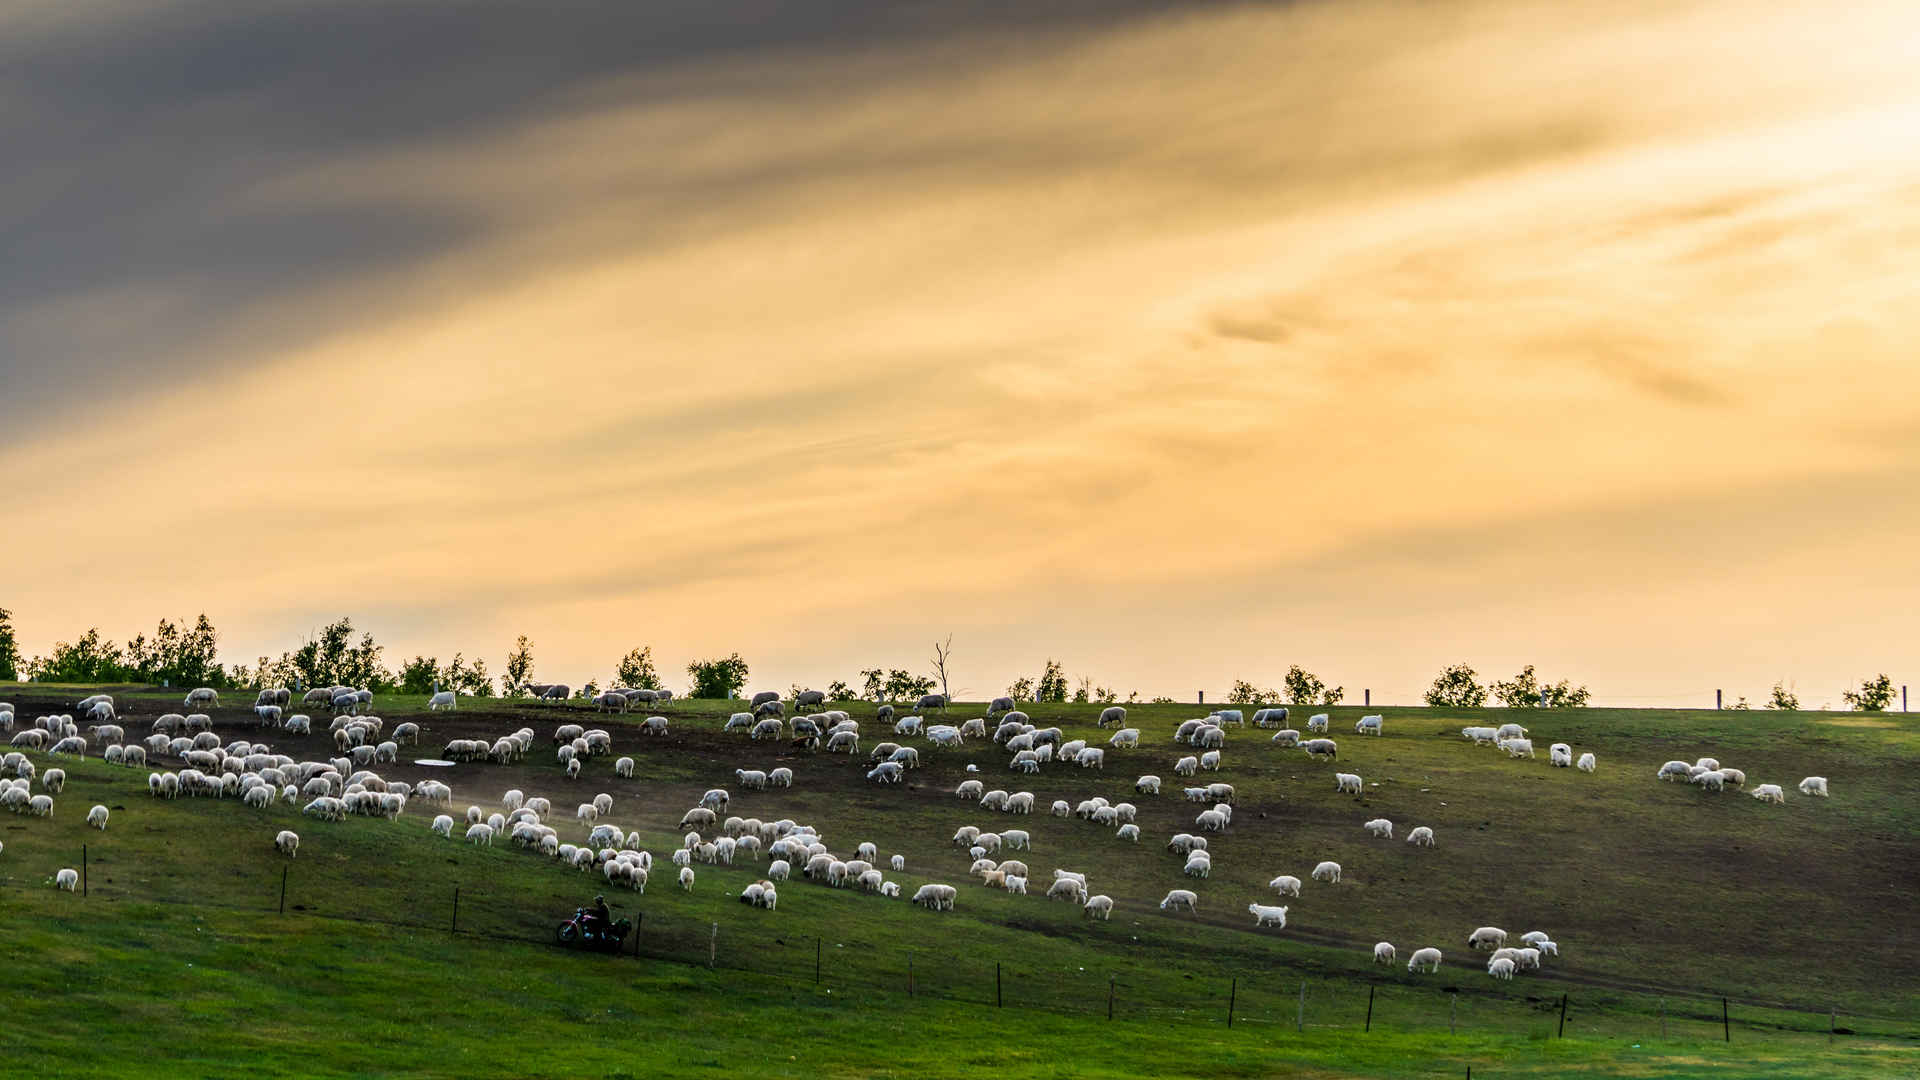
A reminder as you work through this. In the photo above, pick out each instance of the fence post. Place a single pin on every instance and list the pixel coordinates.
(1300, 1019)
(455, 928)
(283, 890)
(1109, 997)
(816, 959)
(639, 918)
(1563, 1017)
(1453, 1000)
(996, 984)
(1367, 697)
(1663, 1018)
(83, 871)
(1833, 1018)
(1726, 1027)
(1717, 702)
(1369, 1026)
(713, 945)
(1233, 994)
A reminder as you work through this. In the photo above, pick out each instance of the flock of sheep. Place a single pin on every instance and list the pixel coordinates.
(339, 786)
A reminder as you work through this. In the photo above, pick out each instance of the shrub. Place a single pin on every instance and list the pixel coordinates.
(1456, 688)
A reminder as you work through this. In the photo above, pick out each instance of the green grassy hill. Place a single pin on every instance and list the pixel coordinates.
(1663, 898)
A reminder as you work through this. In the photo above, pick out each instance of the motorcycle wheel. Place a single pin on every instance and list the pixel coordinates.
(568, 934)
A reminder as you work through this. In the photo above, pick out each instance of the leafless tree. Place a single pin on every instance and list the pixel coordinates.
(941, 652)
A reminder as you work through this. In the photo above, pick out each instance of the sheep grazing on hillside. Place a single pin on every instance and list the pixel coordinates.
(1427, 959)
(68, 879)
(1328, 872)
(1769, 793)
(1125, 739)
(936, 897)
(1321, 748)
(1264, 915)
(1380, 828)
(1501, 968)
(809, 698)
(1318, 722)
(1345, 783)
(930, 701)
(1586, 762)
(1147, 785)
(1560, 755)
(1285, 885)
(1421, 836)
(1487, 937)
(1814, 785)
(1383, 952)
(1369, 725)
(1112, 716)
(97, 817)
(202, 696)
(286, 842)
(1180, 898)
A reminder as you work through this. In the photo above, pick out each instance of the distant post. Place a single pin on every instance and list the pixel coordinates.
(1110, 997)
(1366, 696)
(1233, 993)
(1300, 1019)
(1369, 1026)
(1726, 1026)
(1903, 697)
(1717, 700)
(1563, 1017)
(1203, 697)
(83, 871)
(283, 890)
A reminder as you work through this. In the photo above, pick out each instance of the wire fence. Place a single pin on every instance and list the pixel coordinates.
(1460, 999)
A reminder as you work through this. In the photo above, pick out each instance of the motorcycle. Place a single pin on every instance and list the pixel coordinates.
(585, 931)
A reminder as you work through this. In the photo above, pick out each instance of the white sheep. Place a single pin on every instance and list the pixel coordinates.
(1125, 738)
(1180, 898)
(1518, 748)
(1380, 828)
(1586, 762)
(1770, 793)
(97, 817)
(1318, 722)
(1264, 915)
(1328, 871)
(1673, 769)
(1501, 968)
(1319, 748)
(1348, 782)
(781, 777)
(443, 825)
(54, 780)
(1814, 785)
(1421, 835)
(1210, 761)
(1509, 731)
(1286, 737)
(68, 879)
(1427, 959)
(1186, 766)
(480, 834)
(1210, 821)
(1199, 864)
(1369, 725)
(1560, 755)
(286, 842)
(1091, 757)
(1383, 952)
(1285, 885)
(1487, 937)
(686, 878)
(1098, 907)
(623, 768)
(1712, 780)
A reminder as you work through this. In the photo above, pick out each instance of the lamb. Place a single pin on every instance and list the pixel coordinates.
(1501, 968)
(1328, 872)
(1383, 952)
(1180, 898)
(68, 879)
(1125, 738)
(1770, 793)
(1380, 828)
(1672, 769)
(1285, 885)
(751, 779)
(1518, 748)
(1317, 748)
(1368, 725)
(1263, 915)
(898, 862)
(1348, 782)
(40, 806)
(1586, 762)
(1487, 937)
(1096, 907)
(1199, 864)
(1814, 785)
(1091, 757)
(1186, 766)
(909, 725)
(779, 870)
(97, 817)
(1061, 808)
(1286, 737)
(1128, 831)
(1067, 888)
(54, 780)
(443, 825)
(1422, 836)
(1427, 959)
(1147, 785)
(686, 878)
(286, 842)
(1210, 821)
(1210, 761)
(781, 777)
(1317, 722)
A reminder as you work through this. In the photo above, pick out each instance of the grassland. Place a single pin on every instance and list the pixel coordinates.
(1663, 898)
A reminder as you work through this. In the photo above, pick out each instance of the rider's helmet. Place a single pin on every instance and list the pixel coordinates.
(601, 899)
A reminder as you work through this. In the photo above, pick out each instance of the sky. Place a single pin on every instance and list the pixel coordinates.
(1180, 342)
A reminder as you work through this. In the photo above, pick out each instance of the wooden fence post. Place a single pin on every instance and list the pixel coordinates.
(713, 945)
(639, 918)
(1109, 997)
(816, 960)
(455, 928)
(1663, 1018)
(283, 890)
(1300, 1019)
(1233, 994)
(1563, 1017)
(1726, 1026)
(83, 871)
(1369, 1026)
(1453, 1000)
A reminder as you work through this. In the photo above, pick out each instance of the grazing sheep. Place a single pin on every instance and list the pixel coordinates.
(1547, 947)
(443, 825)
(1091, 757)
(686, 878)
(1318, 722)
(1586, 762)
(481, 833)
(1210, 738)
(1180, 898)
(1186, 766)
(1769, 793)
(1427, 959)
(1129, 831)
(1285, 885)
(1199, 864)
(1210, 761)
(287, 842)
(1061, 808)
(1509, 731)
(1518, 748)
(815, 698)
(1380, 828)
(1210, 821)
(68, 879)
(769, 728)
(1732, 776)
(202, 696)
(1263, 915)
(1112, 716)
(1501, 968)
(1068, 889)
(936, 897)
(40, 806)
(1422, 836)
(1814, 785)
(54, 780)
(1348, 782)
(654, 725)
(1096, 907)
(97, 817)
(1286, 737)
(930, 701)
(1318, 748)
(1265, 718)
(1368, 725)
(1383, 952)
(1147, 785)
(780, 778)
(1125, 738)
(898, 862)
(1712, 780)
(1328, 872)
(1487, 937)
(1673, 769)
(999, 705)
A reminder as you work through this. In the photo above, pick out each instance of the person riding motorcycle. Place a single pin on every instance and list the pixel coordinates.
(599, 916)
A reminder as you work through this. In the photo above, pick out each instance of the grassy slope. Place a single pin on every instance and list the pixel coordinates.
(1682, 929)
